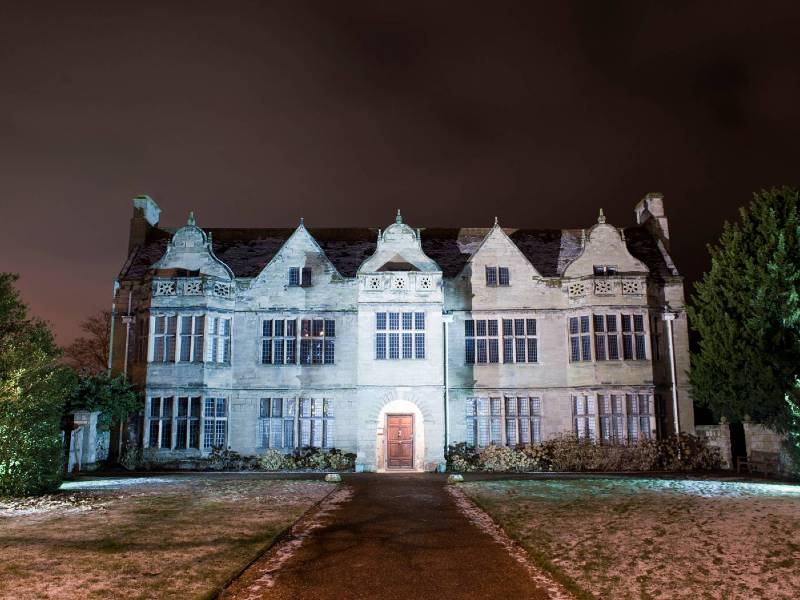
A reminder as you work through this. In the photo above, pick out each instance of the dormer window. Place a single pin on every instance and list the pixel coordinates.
(299, 277)
(497, 276)
(605, 270)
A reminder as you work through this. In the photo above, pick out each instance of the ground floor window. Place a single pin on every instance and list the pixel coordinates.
(215, 423)
(619, 416)
(639, 414)
(160, 423)
(187, 432)
(276, 423)
(315, 416)
(503, 420)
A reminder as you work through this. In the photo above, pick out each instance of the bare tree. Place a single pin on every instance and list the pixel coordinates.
(89, 354)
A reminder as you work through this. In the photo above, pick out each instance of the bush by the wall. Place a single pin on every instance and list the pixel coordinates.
(308, 458)
(568, 453)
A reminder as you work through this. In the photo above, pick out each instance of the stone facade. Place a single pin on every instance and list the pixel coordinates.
(256, 338)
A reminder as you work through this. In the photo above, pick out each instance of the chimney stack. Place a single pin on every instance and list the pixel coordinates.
(145, 217)
(650, 213)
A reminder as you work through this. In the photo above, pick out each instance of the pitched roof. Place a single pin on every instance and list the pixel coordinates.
(248, 251)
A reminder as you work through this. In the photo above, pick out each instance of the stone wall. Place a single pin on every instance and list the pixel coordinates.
(718, 436)
(763, 439)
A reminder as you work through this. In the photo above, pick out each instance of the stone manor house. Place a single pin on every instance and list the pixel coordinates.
(395, 343)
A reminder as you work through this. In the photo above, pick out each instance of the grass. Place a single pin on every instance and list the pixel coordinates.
(648, 538)
(182, 538)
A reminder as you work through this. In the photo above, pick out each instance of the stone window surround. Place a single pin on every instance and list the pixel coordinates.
(619, 312)
(400, 335)
(529, 336)
(499, 420)
(597, 418)
(206, 335)
(326, 338)
(174, 417)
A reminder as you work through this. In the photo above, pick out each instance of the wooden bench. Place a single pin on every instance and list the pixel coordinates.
(759, 461)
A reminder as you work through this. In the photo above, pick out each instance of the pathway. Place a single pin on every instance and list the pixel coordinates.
(389, 536)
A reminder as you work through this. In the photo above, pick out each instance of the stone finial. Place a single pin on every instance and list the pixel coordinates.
(190, 220)
(601, 218)
(495, 221)
(398, 219)
(302, 222)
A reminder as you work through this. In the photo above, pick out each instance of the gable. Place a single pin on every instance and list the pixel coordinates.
(498, 250)
(604, 245)
(299, 250)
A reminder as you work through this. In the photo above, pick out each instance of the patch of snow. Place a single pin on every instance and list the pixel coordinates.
(98, 484)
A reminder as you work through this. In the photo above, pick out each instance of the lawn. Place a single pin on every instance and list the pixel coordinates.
(159, 537)
(654, 538)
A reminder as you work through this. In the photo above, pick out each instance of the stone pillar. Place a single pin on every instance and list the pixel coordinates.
(718, 436)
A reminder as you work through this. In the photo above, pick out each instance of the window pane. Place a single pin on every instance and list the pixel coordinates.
(508, 350)
(481, 351)
(380, 345)
(330, 328)
(407, 346)
(491, 275)
(520, 342)
(278, 354)
(419, 344)
(573, 325)
(380, 321)
(586, 347)
(394, 320)
(533, 351)
(469, 328)
(640, 352)
(319, 327)
(585, 324)
(469, 351)
(613, 347)
(494, 352)
(419, 320)
(491, 327)
(638, 323)
(291, 328)
(267, 328)
(266, 351)
(519, 326)
(279, 323)
(394, 345)
(480, 327)
(329, 352)
(611, 323)
(507, 330)
(407, 320)
(531, 325)
(600, 347)
(503, 275)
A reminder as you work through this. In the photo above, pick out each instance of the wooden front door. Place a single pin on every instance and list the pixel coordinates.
(400, 441)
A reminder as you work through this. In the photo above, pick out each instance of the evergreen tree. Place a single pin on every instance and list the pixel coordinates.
(33, 392)
(747, 312)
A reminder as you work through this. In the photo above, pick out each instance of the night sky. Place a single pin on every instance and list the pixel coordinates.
(255, 115)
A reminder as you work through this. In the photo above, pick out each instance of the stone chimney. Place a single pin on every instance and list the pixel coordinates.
(145, 217)
(650, 213)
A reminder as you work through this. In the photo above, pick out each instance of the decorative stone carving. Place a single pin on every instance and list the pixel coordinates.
(164, 288)
(399, 283)
(193, 288)
(632, 287)
(222, 289)
(577, 288)
(424, 283)
(374, 282)
(603, 287)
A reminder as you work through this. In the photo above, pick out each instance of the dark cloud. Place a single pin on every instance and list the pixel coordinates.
(256, 114)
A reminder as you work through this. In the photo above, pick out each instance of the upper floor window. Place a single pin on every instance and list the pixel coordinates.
(279, 341)
(482, 341)
(191, 338)
(605, 270)
(580, 343)
(399, 335)
(497, 276)
(164, 336)
(317, 344)
(300, 276)
(607, 337)
(219, 334)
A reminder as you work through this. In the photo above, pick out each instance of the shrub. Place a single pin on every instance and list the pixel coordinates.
(271, 460)
(308, 458)
(568, 453)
